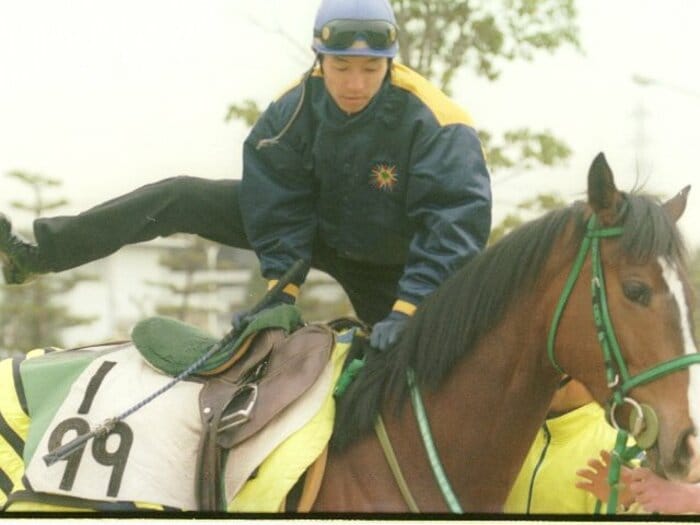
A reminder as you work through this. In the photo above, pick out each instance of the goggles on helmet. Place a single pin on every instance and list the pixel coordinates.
(342, 34)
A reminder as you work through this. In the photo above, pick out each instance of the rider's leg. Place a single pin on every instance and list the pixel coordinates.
(371, 288)
(183, 204)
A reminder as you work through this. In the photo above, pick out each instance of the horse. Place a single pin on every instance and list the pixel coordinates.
(486, 354)
(457, 402)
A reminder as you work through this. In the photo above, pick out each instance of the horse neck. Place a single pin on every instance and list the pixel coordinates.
(483, 416)
(500, 394)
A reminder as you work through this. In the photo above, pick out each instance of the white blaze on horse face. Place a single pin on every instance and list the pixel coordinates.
(675, 286)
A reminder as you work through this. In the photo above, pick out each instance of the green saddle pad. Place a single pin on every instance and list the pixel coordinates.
(171, 345)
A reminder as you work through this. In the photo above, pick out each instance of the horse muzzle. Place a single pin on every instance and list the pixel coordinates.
(682, 463)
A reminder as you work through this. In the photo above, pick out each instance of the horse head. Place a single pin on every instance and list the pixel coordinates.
(642, 312)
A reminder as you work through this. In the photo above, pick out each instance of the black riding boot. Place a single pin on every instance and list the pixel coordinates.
(20, 259)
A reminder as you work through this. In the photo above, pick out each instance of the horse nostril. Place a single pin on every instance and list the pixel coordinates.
(692, 451)
(686, 457)
(692, 445)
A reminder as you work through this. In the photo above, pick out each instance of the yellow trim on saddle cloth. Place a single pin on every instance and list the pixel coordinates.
(11, 463)
(37, 506)
(17, 421)
(280, 471)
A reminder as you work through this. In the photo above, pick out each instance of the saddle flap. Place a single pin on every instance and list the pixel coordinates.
(236, 404)
(221, 390)
(293, 366)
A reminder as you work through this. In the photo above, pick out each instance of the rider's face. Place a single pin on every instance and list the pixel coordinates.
(352, 81)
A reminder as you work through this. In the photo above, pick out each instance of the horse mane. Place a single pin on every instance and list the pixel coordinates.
(473, 300)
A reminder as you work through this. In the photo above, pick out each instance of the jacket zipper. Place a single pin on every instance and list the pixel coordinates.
(547, 441)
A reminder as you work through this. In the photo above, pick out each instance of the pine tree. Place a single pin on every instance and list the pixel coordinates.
(34, 315)
(195, 282)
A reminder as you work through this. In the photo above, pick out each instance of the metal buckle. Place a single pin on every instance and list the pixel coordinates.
(637, 407)
(240, 416)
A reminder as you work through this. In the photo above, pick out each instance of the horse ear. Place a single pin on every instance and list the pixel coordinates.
(675, 206)
(603, 196)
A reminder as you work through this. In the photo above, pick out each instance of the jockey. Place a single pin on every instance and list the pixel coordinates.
(363, 169)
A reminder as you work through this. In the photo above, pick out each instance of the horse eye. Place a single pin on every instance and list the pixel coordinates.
(637, 292)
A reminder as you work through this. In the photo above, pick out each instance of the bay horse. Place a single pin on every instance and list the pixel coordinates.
(482, 357)
(478, 348)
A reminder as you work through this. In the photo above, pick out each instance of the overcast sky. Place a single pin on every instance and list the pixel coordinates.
(108, 95)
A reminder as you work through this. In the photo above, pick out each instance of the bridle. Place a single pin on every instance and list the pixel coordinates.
(643, 420)
(643, 425)
(618, 377)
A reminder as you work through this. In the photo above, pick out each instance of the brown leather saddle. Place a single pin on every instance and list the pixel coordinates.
(274, 371)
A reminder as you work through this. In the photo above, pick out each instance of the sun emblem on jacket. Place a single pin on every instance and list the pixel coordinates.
(384, 177)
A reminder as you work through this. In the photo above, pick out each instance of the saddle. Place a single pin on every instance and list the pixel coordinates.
(275, 370)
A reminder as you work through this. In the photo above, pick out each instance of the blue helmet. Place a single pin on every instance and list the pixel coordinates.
(356, 27)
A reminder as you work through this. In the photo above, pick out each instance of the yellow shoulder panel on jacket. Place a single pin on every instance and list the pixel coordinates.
(445, 110)
(315, 73)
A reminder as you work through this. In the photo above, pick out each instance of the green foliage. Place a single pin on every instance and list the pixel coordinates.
(523, 149)
(439, 37)
(526, 210)
(34, 315)
(248, 111)
(38, 184)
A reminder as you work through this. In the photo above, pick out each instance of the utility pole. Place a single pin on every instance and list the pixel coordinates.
(641, 142)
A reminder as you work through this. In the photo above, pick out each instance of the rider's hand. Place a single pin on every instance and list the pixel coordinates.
(241, 318)
(386, 333)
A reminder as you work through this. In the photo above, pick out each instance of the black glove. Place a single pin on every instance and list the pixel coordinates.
(386, 332)
(240, 319)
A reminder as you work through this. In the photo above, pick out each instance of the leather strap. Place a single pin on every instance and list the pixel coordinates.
(384, 441)
(294, 364)
(213, 398)
(287, 366)
(312, 482)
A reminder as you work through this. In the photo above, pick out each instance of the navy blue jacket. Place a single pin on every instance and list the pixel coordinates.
(402, 182)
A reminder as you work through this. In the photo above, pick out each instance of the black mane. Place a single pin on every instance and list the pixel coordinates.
(469, 304)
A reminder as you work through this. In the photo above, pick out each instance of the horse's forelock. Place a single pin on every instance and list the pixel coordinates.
(649, 233)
